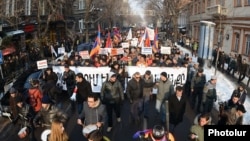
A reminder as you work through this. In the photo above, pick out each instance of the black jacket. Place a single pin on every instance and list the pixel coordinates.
(83, 90)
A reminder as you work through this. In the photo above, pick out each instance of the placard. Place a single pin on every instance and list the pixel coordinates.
(165, 50)
(125, 45)
(84, 54)
(42, 64)
(61, 50)
(146, 50)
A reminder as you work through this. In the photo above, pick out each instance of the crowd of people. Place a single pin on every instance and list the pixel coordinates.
(42, 110)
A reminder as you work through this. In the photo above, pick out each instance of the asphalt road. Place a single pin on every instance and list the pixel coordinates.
(122, 131)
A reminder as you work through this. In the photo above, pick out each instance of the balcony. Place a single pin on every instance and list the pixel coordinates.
(217, 10)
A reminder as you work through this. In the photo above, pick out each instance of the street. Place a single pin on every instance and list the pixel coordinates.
(122, 131)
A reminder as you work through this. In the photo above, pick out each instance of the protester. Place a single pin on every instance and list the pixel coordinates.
(69, 79)
(197, 85)
(12, 100)
(197, 130)
(134, 93)
(112, 96)
(46, 115)
(177, 107)
(81, 91)
(58, 132)
(157, 133)
(49, 75)
(94, 112)
(35, 95)
(209, 95)
(241, 92)
(165, 90)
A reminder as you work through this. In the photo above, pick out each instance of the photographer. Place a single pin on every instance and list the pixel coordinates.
(197, 130)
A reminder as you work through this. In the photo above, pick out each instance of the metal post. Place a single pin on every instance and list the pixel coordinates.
(219, 44)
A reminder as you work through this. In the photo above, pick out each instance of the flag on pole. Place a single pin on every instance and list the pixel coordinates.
(97, 45)
(141, 39)
(53, 50)
(155, 47)
(147, 40)
(129, 36)
(108, 41)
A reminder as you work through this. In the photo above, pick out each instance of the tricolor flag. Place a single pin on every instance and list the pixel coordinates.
(155, 47)
(97, 44)
(53, 50)
(108, 41)
(147, 40)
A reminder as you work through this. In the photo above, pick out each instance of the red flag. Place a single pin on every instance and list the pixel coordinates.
(97, 44)
(147, 40)
(108, 41)
(155, 47)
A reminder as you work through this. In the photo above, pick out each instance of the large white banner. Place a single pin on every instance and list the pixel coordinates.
(96, 76)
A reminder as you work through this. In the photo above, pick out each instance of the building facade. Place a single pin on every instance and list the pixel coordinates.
(232, 19)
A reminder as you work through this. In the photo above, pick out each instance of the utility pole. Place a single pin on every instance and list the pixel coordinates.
(219, 42)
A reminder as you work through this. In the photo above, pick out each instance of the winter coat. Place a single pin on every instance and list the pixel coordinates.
(135, 89)
(83, 90)
(93, 115)
(35, 98)
(209, 92)
(148, 91)
(69, 78)
(243, 68)
(51, 77)
(176, 109)
(112, 92)
(198, 81)
(165, 90)
(242, 95)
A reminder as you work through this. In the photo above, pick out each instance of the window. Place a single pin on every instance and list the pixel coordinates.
(220, 2)
(237, 42)
(209, 2)
(27, 7)
(81, 4)
(237, 3)
(247, 51)
(81, 25)
(247, 2)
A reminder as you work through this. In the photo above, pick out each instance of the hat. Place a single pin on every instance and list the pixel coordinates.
(88, 129)
(12, 90)
(66, 66)
(241, 108)
(213, 77)
(46, 99)
(164, 74)
(111, 74)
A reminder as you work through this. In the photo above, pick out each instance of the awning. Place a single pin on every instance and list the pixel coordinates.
(8, 50)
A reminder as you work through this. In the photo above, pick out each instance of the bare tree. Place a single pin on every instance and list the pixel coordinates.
(173, 8)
